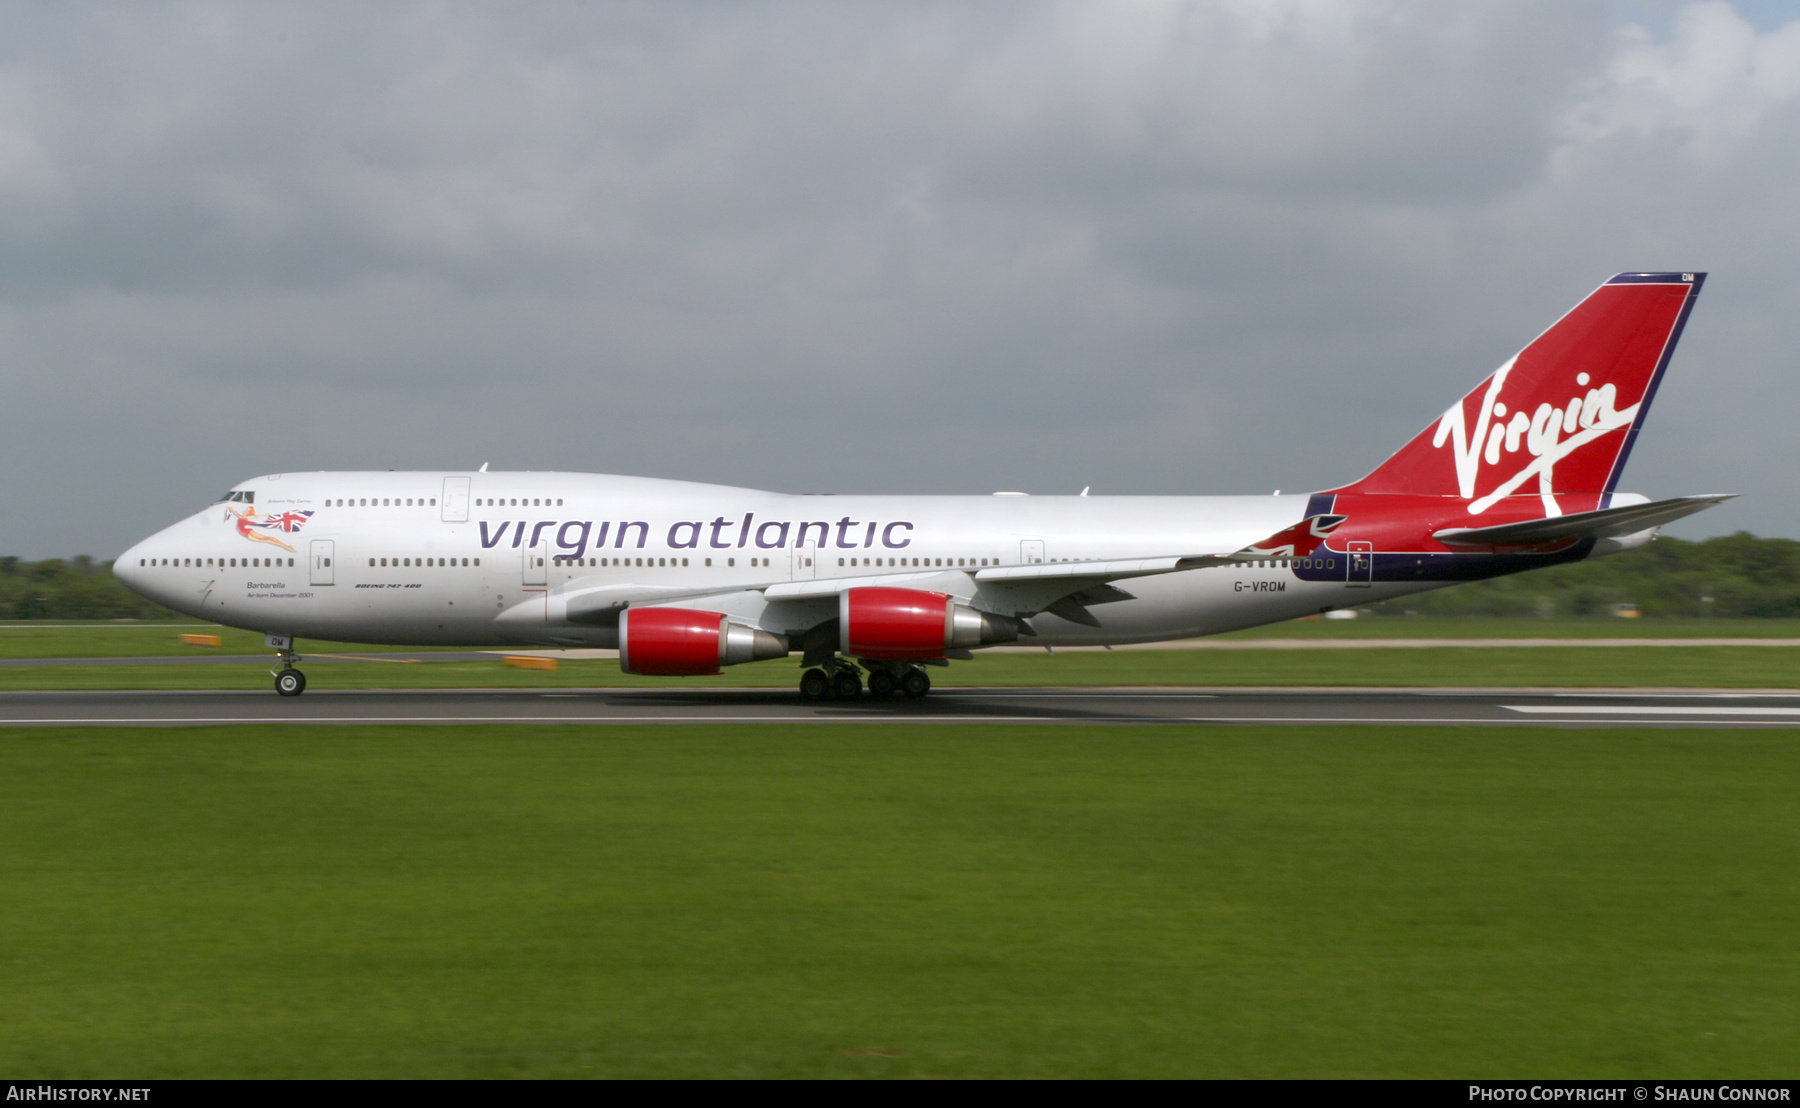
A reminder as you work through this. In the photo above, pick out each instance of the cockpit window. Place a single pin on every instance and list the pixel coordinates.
(239, 496)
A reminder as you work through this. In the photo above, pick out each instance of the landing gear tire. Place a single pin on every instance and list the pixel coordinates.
(846, 685)
(290, 682)
(815, 685)
(915, 683)
(882, 685)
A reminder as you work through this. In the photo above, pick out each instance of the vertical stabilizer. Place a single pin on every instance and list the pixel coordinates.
(1561, 415)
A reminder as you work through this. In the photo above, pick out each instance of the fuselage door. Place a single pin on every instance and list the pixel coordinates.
(537, 564)
(1031, 552)
(806, 562)
(322, 572)
(455, 501)
(1361, 560)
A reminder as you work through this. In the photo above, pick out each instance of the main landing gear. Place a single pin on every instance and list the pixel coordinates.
(288, 680)
(840, 679)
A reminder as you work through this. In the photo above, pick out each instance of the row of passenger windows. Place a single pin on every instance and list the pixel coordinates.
(383, 502)
(218, 563)
(423, 562)
(927, 561)
(1297, 563)
(431, 502)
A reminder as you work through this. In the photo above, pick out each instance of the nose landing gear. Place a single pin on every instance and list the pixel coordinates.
(288, 680)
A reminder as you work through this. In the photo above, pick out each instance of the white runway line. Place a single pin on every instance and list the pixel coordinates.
(1426, 721)
(1648, 710)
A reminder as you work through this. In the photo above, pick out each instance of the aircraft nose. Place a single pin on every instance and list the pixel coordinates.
(124, 568)
(129, 573)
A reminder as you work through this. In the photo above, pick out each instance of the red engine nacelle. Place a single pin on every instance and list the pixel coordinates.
(889, 624)
(681, 642)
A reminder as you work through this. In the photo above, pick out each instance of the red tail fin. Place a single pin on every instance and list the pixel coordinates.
(1562, 414)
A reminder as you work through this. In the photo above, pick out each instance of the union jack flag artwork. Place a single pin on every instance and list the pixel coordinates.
(1297, 541)
(286, 521)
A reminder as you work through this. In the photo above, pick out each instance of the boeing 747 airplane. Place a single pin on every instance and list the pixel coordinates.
(684, 579)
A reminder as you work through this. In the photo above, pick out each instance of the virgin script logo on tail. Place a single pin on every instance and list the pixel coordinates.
(1541, 435)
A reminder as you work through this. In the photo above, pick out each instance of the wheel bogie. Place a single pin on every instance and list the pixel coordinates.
(915, 683)
(841, 679)
(815, 684)
(846, 685)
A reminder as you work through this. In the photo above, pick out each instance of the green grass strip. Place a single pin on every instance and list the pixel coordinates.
(859, 901)
(1572, 667)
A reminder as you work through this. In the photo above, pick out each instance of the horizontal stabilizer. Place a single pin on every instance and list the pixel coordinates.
(1604, 524)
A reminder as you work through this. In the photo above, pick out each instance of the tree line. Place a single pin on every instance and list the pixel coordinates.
(1733, 576)
(75, 588)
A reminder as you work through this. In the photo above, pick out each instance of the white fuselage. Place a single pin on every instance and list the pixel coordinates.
(494, 558)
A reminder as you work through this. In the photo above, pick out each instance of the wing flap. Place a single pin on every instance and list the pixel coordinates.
(1603, 524)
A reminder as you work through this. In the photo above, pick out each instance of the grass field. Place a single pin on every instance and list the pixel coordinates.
(1689, 667)
(123, 639)
(949, 901)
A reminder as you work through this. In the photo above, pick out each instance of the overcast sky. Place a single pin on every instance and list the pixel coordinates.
(1148, 247)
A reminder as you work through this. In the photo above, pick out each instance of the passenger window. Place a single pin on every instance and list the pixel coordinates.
(433, 502)
(840, 561)
(559, 502)
(683, 561)
(729, 562)
(478, 561)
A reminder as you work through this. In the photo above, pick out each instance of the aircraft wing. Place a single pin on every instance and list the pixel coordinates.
(1603, 524)
(1075, 575)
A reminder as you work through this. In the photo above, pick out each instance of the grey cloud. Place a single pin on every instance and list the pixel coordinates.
(1171, 247)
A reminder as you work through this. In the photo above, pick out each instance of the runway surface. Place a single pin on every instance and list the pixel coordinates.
(1318, 707)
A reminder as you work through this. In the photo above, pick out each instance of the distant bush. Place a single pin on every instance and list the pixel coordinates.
(1734, 576)
(73, 589)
